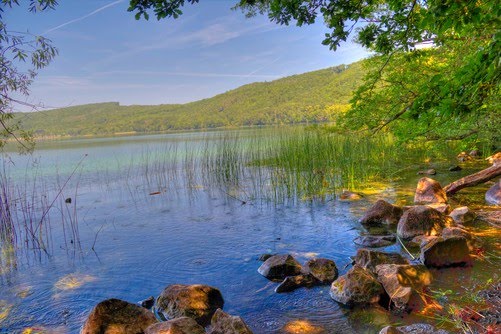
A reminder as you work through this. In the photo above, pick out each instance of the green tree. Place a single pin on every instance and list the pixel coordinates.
(441, 93)
(21, 56)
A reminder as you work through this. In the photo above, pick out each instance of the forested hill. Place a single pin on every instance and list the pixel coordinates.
(311, 97)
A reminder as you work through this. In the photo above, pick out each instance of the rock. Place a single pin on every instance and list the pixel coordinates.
(382, 212)
(183, 325)
(401, 282)
(422, 240)
(279, 267)
(265, 256)
(493, 195)
(373, 241)
(118, 316)
(471, 241)
(475, 154)
(349, 196)
(291, 283)
(198, 302)
(357, 287)
(463, 156)
(463, 215)
(148, 302)
(455, 168)
(440, 207)
(427, 172)
(429, 191)
(448, 252)
(413, 329)
(223, 323)
(369, 259)
(494, 159)
(491, 217)
(422, 220)
(323, 270)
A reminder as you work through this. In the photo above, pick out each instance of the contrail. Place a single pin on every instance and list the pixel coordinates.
(83, 17)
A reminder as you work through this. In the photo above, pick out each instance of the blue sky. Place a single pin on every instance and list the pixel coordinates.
(106, 55)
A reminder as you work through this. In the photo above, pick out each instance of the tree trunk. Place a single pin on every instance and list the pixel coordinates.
(474, 179)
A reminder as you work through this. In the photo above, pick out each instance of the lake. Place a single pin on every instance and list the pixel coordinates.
(150, 211)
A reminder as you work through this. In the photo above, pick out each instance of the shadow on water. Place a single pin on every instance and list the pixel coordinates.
(146, 212)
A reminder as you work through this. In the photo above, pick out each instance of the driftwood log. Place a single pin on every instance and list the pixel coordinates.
(477, 178)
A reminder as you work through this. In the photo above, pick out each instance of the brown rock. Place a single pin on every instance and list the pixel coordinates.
(442, 252)
(401, 282)
(223, 323)
(323, 270)
(357, 287)
(440, 207)
(422, 220)
(291, 283)
(463, 156)
(279, 267)
(183, 325)
(429, 191)
(117, 316)
(382, 212)
(463, 215)
(493, 195)
(198, 302)
(422, 240)
(369, 259)
(349, 196)
(373, 241)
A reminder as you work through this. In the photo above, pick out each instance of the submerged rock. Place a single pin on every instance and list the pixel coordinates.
(373, 241)
(413, 329)
(357, 287)
(429, 191)
(323, 270)
(291, 283)
(422, 220)
(430, 171)
(265, 256)
(349, 196)
(118, 316)
(463, 156)
(441, 252)
(183, 325)
(148, 302)
(493, 195)
(455, 168)
(279, 267)
(198, 302)
(463, 215)
(223, 323)
(382, 212)
(401, 282)
(369, 259)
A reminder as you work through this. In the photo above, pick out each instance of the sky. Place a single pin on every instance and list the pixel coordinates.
(106, 55)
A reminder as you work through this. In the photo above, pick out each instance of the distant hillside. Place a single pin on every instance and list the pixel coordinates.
(311, 97)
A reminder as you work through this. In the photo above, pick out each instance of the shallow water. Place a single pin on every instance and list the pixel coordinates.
(140, 230)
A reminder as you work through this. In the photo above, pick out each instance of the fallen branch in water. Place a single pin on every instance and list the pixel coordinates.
(474, 179)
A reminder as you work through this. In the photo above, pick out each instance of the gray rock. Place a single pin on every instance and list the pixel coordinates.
(223, 323)
(493, 195)
(429, 191)
(357, 287)
(291, 283)
(279, 267)
(463, 215)
(441, 252)
(198, 302)
(369, 259)
(373, 241)
(382, 212)
(264, 257)
(118, 316)
(323, 270)
(422, 220)
(183, 325)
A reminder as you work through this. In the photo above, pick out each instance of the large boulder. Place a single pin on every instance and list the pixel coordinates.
(373, 241)
(323, 270)
(413, 329)
(463, 215)
(429, 191)
(291, 283)
(401, 282)
(369, 259)
(183, 325)
(493, 195)
(223, 323)
(440, 252)
(279, 267)
(382, 212)
(357, 287)
(198, 302)
(118, 316)
(422, 220)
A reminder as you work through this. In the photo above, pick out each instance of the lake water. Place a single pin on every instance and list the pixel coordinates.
(142, 217)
